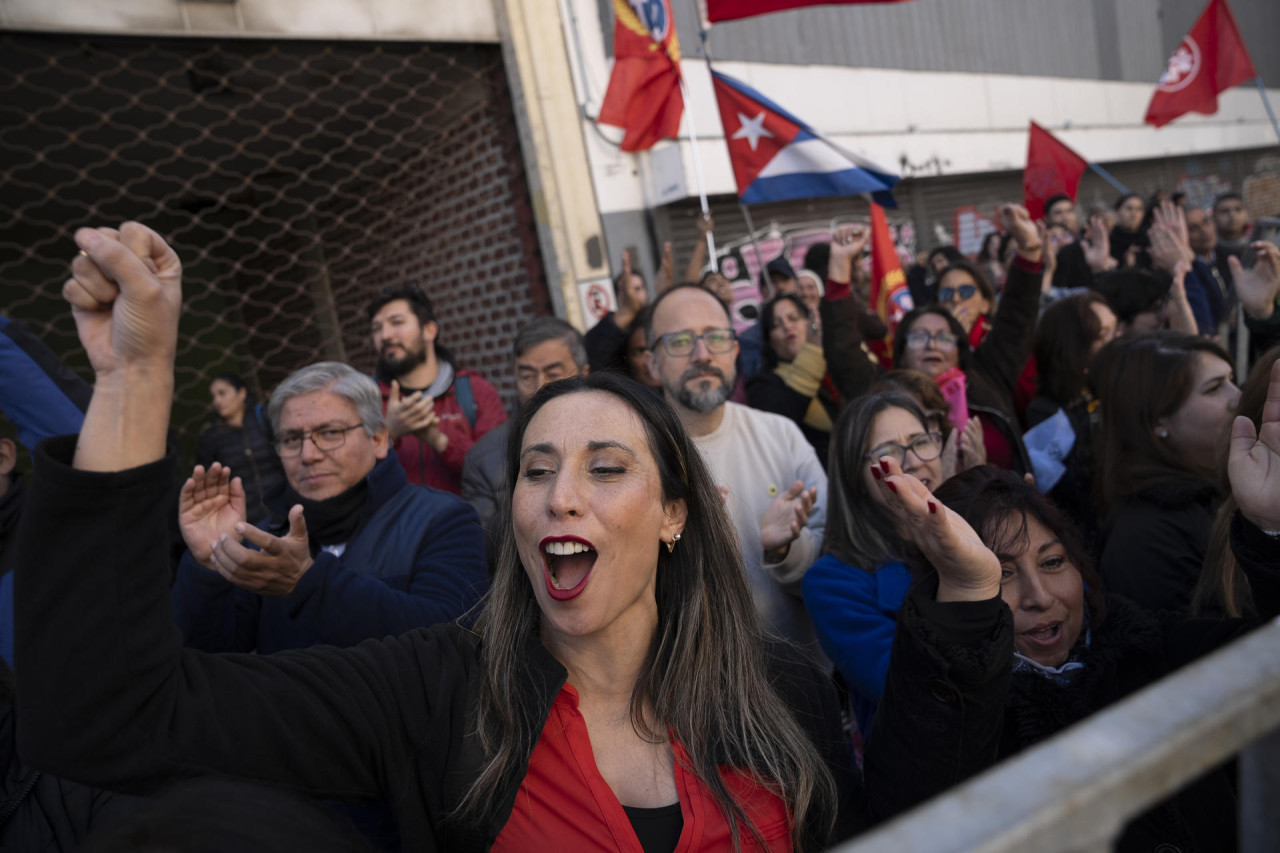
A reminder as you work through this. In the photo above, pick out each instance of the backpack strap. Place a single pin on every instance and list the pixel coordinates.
(466, 398)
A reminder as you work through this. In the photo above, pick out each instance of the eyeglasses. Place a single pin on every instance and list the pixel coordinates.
(948, 294)
(325, 439)
(681, 344)
(926, 447)
(941, 340)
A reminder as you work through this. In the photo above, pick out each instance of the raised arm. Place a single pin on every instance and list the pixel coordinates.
(1006, 349)
(106, 693)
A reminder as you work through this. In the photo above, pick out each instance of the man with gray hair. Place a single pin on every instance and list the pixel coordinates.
(545, 350)
(353, 550)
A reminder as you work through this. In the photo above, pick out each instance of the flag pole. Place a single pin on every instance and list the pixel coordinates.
(1109, 178)
(697, 172)
(755, 244)
(1266, 102)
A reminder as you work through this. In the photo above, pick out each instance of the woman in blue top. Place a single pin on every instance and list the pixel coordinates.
(853, 593)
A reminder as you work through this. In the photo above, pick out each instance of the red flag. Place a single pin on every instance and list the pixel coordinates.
(1210, 59)
(1052, 168)
(889, 292)
(643, 96)
(729, 10)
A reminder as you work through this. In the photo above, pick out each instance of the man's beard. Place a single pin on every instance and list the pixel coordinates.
(708, 398)
(391, 367)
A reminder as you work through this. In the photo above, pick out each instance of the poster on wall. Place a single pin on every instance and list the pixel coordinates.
(597, 299)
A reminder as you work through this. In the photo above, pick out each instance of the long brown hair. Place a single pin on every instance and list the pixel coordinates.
(705, 678)
(1223, 588)
(1138, 381)
(860, 531)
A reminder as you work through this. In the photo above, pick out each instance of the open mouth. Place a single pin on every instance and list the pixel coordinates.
(567, 562)
(1044, 635)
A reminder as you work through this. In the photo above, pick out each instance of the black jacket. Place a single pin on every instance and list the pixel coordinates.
(40, 813)
(1154, 543)
(107, 694)
(249, 452)
(952, 706)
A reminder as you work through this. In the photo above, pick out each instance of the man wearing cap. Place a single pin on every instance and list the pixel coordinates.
(434, 411)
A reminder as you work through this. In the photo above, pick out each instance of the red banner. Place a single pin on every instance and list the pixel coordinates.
(643, 97)
(1210, 59)
(1052, 168)
(889, 293)
(730, 10)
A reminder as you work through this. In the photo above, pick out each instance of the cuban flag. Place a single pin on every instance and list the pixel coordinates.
(777, 157)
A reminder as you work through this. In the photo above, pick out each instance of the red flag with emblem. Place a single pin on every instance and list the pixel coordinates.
(1210, 59)
(1052, 168)
(643, 97)
(730, 10)
(889, 292)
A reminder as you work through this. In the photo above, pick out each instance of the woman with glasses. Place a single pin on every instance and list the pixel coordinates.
(853, 593)
(981, 380)
(240, 439)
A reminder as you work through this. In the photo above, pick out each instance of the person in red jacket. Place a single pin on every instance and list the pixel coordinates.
(434, 411)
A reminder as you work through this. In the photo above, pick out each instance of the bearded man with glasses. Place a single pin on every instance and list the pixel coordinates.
(353, 549)
(775, 486)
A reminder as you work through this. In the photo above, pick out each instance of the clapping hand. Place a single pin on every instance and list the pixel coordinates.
(1253, 463)
(278, 564)
(967, 569)
(1097, 245)
(1257, 287)
(211, 505)
(785, 518)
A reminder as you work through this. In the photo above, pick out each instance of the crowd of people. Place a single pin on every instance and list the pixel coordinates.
(698, 589)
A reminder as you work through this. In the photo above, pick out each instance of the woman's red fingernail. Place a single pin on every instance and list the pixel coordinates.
(884, 465)
(891, 486)
(933, 508)
(875, 472)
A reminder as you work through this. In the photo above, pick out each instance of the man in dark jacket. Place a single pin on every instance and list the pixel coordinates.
(545, 350)
(435, 411)
(365, 554)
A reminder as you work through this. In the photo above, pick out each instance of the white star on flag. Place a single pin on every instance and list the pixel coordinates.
(752, 129)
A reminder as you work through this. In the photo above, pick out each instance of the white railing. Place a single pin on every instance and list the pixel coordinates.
(1076, 791)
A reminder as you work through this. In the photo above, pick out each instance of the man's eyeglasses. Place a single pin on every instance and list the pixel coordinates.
(680, 344)
(941, 340)
(948, 294)
(926, 447)
(325, 439)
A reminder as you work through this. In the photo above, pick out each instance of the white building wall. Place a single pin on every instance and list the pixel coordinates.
(416, 20)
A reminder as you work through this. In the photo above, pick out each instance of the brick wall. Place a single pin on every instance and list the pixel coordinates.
(295, 179)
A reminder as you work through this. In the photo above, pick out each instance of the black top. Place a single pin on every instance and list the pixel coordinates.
(658, 829)
(110, 697)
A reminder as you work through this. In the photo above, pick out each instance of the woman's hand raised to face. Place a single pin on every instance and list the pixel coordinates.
(967, 570)
(1253, 464)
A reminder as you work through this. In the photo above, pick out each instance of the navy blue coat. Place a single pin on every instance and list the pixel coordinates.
(416, 559)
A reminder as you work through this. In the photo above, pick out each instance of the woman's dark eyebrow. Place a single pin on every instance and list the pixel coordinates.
(1046, 546)
(593, 446)
(537, 448)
